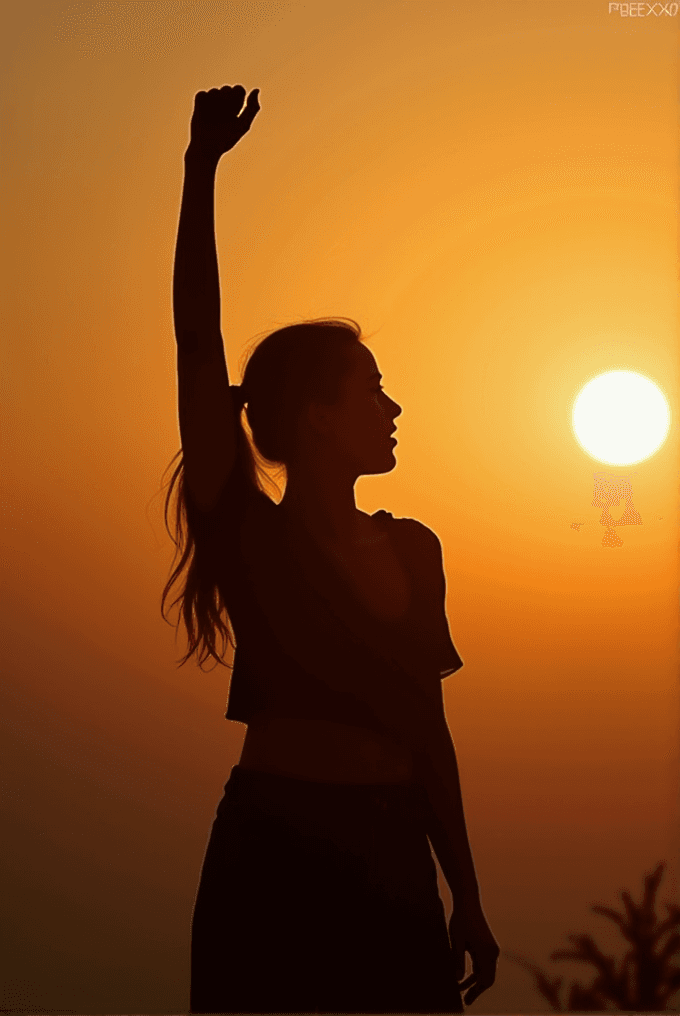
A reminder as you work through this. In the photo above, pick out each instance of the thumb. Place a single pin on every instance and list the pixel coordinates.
(251, 108)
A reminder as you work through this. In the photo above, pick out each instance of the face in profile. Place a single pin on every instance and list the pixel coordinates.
(358, 430)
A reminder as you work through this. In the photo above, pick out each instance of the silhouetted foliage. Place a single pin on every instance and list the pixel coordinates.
(646, 978)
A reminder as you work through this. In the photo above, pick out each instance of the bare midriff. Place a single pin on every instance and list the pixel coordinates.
(323, 750)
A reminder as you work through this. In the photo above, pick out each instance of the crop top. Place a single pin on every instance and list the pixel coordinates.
(305, 646)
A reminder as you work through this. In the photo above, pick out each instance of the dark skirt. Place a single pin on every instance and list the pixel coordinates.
(319, 897)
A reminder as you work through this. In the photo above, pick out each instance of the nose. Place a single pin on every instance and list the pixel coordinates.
(396, 409)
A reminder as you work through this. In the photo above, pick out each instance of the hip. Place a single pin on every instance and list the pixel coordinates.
(376, 833)
(331, 889)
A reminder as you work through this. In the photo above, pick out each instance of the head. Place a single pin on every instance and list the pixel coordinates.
(313, 392)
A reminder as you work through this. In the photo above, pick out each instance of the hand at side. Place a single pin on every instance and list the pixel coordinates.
(469, 932)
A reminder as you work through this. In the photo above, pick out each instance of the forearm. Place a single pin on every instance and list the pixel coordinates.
(196, 285)
(438, 772)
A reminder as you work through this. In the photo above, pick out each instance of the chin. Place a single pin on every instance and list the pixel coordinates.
(385, 464)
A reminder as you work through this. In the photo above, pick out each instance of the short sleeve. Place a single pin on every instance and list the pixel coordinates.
(448, 657)
(450, 660)
(445, 656)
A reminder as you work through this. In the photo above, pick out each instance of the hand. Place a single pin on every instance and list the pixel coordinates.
(216, 125)
(469, 932)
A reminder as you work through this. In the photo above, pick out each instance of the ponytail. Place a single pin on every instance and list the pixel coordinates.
(251, 462)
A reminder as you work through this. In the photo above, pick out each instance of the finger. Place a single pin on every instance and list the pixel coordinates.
(472, 996)
(253, 101)
(475, 991)
(479, 981)
(484, 971)
(235, 95)
(251, 109)
(477, 984)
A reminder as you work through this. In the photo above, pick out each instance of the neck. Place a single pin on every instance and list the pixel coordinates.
(322, 499)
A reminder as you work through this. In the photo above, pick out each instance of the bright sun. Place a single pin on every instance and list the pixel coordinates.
(621, 417)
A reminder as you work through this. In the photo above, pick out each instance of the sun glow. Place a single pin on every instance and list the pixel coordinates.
(621, 417)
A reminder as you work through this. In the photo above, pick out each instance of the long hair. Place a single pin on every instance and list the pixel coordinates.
(284, 372)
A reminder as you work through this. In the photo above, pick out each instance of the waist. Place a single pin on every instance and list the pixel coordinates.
(323, 750)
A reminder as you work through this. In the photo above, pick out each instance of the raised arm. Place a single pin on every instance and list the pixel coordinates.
(206, 415)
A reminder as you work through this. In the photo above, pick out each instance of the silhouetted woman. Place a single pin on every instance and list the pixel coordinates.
(318, 891)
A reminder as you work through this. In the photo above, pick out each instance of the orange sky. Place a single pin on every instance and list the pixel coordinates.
(489, 188)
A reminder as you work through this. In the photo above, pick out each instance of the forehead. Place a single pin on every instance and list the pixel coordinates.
(362, 363)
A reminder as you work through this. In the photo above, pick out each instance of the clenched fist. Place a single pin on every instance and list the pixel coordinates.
(220, 120)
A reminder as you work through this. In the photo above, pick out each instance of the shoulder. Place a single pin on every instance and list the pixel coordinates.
(414, 534)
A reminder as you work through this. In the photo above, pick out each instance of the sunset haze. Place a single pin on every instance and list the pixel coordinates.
(490, 190)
